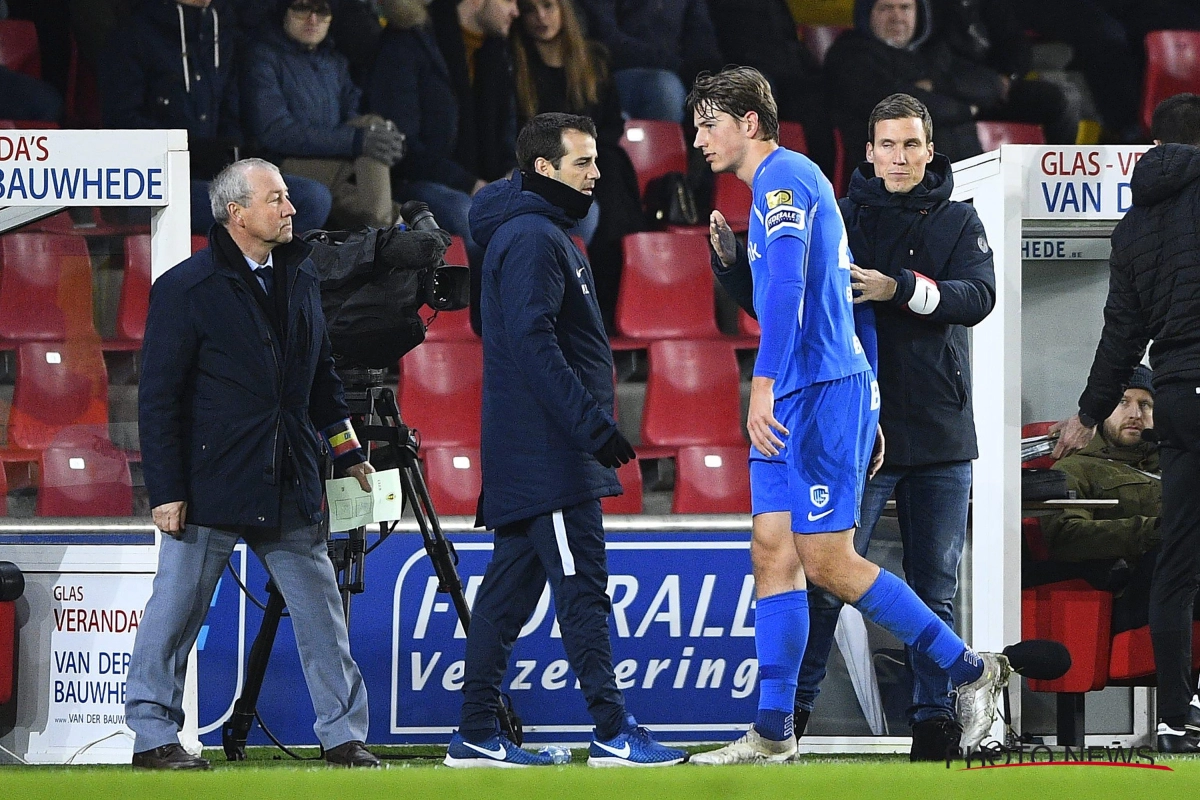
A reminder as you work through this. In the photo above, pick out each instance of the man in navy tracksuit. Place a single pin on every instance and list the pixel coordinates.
(549, 447)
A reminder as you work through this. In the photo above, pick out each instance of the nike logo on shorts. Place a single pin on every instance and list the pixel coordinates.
(622, 753)
(497, 754)
(814, 517)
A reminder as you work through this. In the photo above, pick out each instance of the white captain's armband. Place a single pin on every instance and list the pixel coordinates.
(926, 296)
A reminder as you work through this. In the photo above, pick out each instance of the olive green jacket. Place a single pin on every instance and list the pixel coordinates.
(1126, 530)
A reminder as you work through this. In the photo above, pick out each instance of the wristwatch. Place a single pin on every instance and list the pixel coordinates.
(1087, 421)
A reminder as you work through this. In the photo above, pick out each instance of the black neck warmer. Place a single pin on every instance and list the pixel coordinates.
(574, 204)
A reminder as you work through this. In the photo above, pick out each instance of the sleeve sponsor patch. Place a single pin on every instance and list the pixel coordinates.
(781, 197)
(784, 217)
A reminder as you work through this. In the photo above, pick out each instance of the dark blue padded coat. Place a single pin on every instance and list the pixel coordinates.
(547, 365)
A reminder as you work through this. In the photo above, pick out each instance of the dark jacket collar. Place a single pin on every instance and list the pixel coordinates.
(574, 204)
(934, 189)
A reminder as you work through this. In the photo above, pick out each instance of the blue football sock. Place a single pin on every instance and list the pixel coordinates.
(780, 635)
(891, 604)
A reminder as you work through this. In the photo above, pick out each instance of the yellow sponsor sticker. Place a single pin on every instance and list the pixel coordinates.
(781, 197)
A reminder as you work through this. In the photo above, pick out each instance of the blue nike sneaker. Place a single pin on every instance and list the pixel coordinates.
(633, 747)
(497, 753)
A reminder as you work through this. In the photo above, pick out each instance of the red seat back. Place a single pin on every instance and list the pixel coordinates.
(666, 286)
(733, 199)
(19, 47)
(1172, 67)
(655, 147)
(441, 392)
(712, 480)
(1080, 617)
(692, 395)
(791, 136)
(992, 134)
(1028, 431)
(85, 481)
(748, 325)
(45, 287)
(454, 477)
(630, 476)
(135, 289)
(60, 395)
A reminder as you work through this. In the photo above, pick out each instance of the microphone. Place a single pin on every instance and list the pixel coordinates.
(1039, 659)
(418, 216)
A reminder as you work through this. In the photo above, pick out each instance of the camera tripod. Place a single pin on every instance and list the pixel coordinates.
(390, 443)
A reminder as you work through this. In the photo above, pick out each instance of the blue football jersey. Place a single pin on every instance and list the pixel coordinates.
(817, 343)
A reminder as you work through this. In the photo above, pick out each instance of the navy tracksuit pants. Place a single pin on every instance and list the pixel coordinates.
(565, 548)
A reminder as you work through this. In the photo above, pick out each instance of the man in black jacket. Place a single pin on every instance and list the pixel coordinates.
(237, 379)
(923, 263)
(1154, 294)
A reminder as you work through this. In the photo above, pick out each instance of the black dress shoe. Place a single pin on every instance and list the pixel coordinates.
(935, 740)
(351, 754)
(169, 756)
(1177, 740)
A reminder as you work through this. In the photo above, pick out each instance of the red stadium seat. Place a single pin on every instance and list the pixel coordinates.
(748, 325)
(733, 199)
(1172, 67)
(27, 125)
(692, 395)
(454, 478)
(630, 476)
(45, 288)
(791, 136)
(441, 388)
(85, 481)
(666, 287)
(60, 395)
(712, 480)
(1030, 430)
(992, 134)
(655, 147)
(135, 291)
(199, 242)
(843, 163)
(19, 47)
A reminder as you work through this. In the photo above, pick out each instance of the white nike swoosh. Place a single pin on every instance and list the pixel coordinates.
(814, 517)
(497, 754)
(622, 753)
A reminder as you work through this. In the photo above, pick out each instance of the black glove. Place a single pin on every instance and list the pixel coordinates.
(615, 451)
(384, 144)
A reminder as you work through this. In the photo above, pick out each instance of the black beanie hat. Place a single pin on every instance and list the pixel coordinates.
(1142, 378)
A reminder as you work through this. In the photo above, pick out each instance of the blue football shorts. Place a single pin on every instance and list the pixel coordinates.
(819, 475)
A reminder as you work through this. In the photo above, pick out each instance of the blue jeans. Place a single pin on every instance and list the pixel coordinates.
(311, 199)
(650, 93)
(931, 505)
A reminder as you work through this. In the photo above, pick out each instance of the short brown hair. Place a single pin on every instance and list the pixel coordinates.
(900, 106)
(737, 91)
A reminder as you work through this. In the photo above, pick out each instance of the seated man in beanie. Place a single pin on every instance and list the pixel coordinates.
(302, 107)
(1117, 465)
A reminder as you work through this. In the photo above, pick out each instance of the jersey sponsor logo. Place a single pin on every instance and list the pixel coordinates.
(780, 197)
(784, 217)
(819, 495)
(752, 252)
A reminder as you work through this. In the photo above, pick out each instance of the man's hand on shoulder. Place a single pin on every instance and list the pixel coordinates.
(871, 285)
(1073, 436)
(361, 471)
(170, 517)
(720, 235)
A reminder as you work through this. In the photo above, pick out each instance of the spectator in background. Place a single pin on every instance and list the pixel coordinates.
(23, 97)
(657, 49)
(355, 32)
(556, 69)
(444, 77)
(91, 23)
(302, 108)
(762, 34)
(172, 64)
(987, 33)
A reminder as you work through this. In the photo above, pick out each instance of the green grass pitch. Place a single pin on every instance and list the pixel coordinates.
(416, 773)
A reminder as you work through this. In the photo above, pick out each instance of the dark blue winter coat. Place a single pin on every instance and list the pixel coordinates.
(296, 100)
(142, 78)
(547, 365)
(222, 404)
(675, 35)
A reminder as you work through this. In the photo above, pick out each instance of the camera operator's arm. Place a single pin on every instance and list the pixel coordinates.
(168, 356)
(531, 292)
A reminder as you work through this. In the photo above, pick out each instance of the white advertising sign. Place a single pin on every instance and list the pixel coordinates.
(62, 168)
(94, 622)
(1089, 182)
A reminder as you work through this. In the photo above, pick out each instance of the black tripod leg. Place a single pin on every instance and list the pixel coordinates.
(235, 731)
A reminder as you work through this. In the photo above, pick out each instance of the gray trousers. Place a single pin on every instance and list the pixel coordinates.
(188, 569)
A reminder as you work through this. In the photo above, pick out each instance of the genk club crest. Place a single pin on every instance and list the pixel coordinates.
(819, 495)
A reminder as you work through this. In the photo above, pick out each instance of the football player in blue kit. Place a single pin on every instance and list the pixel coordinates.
(813, 422)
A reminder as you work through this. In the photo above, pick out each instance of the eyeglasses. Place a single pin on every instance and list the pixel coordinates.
(304, 10)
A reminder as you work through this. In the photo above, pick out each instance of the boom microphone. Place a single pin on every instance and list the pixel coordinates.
(1039, 659)
(418, 216)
